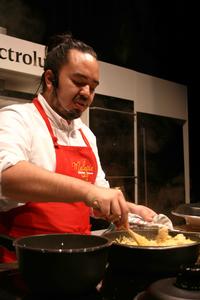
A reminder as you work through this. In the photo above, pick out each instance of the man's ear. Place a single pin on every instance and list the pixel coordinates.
(50, 79)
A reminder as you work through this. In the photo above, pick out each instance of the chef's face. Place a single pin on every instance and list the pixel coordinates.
(77, 80)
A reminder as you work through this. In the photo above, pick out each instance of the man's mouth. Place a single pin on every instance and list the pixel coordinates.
(80, 105)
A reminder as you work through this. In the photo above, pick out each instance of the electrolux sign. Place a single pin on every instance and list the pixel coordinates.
(21, 56)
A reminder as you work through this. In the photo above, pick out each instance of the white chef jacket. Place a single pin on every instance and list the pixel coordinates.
(24, 136)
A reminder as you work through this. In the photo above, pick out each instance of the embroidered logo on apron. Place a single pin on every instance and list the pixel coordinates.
(83, 169)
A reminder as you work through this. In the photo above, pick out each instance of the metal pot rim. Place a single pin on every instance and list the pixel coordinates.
(20, 243)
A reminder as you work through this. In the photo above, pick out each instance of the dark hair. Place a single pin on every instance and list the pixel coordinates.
(57, 53)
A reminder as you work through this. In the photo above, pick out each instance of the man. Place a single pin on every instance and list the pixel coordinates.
(51, 176)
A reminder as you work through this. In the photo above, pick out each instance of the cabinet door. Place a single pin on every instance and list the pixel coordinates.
(112, 121)
(160, 162)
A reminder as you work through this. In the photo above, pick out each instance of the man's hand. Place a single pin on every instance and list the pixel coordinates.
(145, 212)
(109, 203)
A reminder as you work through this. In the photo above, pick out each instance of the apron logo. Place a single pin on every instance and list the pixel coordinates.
(83, 169)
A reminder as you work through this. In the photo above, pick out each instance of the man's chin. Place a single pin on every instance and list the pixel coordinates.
(71, 115)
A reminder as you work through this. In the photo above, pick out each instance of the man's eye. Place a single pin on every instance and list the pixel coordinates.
(79, 83)
(82, 84)
(92, 89)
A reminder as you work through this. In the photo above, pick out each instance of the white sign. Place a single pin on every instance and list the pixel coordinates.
(21, 56)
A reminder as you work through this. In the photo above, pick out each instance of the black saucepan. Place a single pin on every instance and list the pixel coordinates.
(64, 263)
(148, 261)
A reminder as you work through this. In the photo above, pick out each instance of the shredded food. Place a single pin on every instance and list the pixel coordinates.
(163, 238)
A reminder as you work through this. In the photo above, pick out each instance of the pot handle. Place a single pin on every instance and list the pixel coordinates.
(7, 242)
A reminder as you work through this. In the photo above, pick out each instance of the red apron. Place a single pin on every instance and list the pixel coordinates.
(53, 217)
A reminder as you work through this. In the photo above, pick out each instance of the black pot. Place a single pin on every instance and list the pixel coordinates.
(62, 263)
(158, 262)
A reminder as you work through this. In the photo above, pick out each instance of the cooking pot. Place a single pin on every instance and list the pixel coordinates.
(158, 262)
(62, 263)
(191, 213)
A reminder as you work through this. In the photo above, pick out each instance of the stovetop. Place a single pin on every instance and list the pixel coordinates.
(113, 287)
(12, 287)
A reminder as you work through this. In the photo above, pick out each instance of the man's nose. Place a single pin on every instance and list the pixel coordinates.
(85, 90)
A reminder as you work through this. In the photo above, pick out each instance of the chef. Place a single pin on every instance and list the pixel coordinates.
(51, 176)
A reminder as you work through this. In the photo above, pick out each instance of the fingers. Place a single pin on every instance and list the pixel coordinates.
(124, 209)
(94, 204)
(110, 203)
(118, 213)
(145, 212)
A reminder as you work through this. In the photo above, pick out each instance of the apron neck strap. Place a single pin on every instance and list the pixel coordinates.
(45, 118)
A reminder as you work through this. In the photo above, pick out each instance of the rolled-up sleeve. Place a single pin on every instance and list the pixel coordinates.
(14, 139)
(13, 143)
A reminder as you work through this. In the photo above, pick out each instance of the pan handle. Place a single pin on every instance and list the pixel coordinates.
(7, 242)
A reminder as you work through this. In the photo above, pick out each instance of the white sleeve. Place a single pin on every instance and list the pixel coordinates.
(14, 146)
(15, 139)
